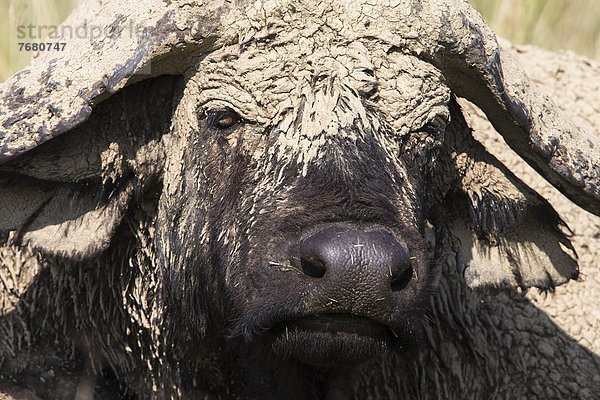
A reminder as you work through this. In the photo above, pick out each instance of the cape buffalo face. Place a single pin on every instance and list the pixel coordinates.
(303, 212)
(264, 189)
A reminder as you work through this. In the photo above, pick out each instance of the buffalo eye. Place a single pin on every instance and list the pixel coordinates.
(223, 119)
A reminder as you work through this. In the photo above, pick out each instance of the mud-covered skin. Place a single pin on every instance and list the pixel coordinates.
(476, 341)
(170, 36)
(250, 192)
(162, 252)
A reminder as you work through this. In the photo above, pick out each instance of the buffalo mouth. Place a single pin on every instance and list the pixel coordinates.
(331, 340)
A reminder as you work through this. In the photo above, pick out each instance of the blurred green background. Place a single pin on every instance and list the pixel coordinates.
(553, 24)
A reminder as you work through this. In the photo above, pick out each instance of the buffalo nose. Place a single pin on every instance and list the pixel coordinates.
(356, 257)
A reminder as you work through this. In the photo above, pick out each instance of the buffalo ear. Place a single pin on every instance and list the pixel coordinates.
(67, 196)
(79, 138)
(504, 233)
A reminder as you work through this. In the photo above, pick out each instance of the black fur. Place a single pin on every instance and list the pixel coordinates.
(237, 313)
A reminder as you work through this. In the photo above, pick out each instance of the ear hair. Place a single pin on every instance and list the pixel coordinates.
(505, 234)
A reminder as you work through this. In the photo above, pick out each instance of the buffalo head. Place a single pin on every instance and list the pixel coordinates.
(294, 167)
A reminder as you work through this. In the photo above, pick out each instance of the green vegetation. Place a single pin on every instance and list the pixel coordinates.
(554, 24)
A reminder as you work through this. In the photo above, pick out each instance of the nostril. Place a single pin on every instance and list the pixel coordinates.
(352, 256)
(312, 267)
(401, 280)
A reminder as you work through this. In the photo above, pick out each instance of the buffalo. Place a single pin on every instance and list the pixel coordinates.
(282, 199)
